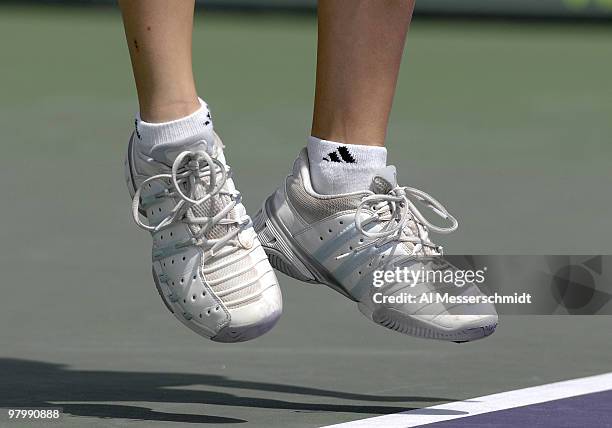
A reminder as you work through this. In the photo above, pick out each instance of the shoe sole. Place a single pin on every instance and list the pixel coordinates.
(226, 334)
(293, 261)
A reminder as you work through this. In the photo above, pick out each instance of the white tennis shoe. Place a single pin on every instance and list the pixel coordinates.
(343, 240)
(208, 265)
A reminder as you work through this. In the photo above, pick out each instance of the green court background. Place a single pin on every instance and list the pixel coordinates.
(526, 8)
(509, 124)
(540, 8)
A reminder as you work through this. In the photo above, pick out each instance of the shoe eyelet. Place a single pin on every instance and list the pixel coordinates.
(321, 238)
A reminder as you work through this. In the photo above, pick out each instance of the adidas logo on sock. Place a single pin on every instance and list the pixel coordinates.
(345, 156)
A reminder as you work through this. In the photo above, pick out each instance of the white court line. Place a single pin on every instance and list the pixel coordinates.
(487, 403)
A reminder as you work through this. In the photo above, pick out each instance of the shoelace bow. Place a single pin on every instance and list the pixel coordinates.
(396, 207)
(198, 166)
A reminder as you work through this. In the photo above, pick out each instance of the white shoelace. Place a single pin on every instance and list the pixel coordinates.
(397, 207)
(188, 170)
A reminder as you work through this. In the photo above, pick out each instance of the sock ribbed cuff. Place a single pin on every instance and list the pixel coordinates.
(197, 123)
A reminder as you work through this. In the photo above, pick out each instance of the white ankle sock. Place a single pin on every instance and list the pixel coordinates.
(197, 126)
(343, 168)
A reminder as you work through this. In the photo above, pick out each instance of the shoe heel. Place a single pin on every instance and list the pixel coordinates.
(128, 174)
(279, 253)
(127, 170)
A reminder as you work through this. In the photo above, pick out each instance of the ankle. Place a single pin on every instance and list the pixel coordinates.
(166, 111)
(351, 135)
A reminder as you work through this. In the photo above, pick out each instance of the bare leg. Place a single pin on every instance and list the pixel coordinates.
(359, 54)
(159, 36)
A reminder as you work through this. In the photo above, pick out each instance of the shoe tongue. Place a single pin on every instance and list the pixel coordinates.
(384, 180)
(167, 153)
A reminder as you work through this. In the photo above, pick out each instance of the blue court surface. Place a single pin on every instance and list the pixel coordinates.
(586, 410)
(583, 402)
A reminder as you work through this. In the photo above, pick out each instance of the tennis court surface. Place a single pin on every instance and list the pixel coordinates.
(507, 123)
